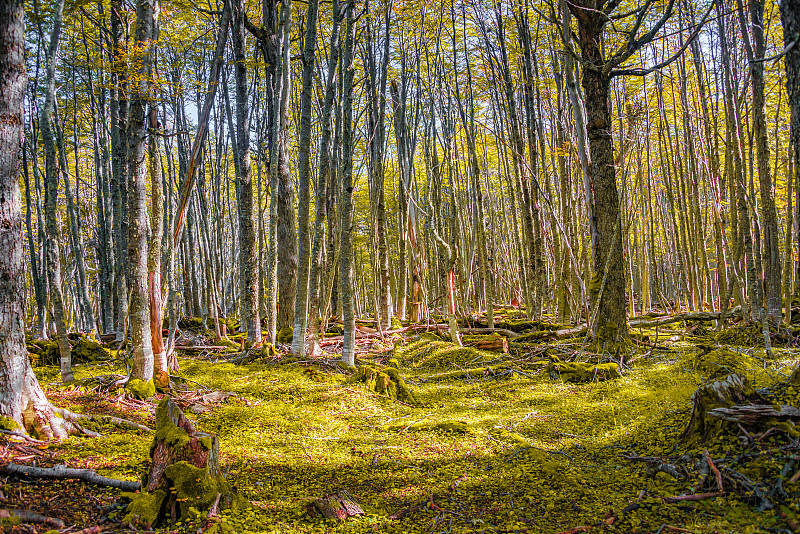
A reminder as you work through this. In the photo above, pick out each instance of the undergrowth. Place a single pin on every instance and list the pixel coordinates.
(517, 452)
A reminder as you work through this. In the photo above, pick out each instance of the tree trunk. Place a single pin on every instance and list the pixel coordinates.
(346, 259)
(286, 231)
(608, 268)
(139, 312)
(154, 268)
(21, 397)
(50, 202)
(248, 253)
(304, 179)
(119, 163)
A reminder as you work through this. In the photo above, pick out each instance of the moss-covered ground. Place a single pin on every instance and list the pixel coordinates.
(499, 451)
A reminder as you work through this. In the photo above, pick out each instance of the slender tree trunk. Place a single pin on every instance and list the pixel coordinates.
(154, 246)
(141, 339)
(304, 179)
(248, 253)
(316, 287)
(346, 260)
(50, 202)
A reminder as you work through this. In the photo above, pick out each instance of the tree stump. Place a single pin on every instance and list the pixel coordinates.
(704, 425)
(338, 506)
(184, 473)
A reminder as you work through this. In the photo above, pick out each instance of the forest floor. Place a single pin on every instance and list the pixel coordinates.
(507, 449)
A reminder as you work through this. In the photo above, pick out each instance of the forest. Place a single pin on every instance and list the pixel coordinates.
(350, 266)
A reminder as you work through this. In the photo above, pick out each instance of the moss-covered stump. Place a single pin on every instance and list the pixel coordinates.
(578, 372)
(338, 506)
(386, 382)
(703, 425)
(492, 342)
(184, 476)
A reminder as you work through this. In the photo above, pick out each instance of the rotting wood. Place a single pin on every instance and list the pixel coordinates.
(338, 506)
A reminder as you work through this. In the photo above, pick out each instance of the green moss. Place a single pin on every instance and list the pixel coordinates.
(194, 486)
(166, 430)
(392, 362)
(582, 372)
(140, 389)
(144, 507)
(7, 423)
(387, 383)
(396, 324)
(718, 363)
(457, 427)
(285, 335)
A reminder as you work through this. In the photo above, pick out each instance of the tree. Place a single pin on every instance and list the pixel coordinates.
(346, 259)
(304, 178)
(790, 19)
(141, 339)
(52, 173)
(21, 397)
(248, 257)
(605, 217)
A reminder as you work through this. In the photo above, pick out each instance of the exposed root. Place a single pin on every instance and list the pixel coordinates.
(76, 417)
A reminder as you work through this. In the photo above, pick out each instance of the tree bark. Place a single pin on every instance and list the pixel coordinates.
(139, 313)
(21, 396)
(346, 259)
(53, 257)
(304, 179)
(248, 253)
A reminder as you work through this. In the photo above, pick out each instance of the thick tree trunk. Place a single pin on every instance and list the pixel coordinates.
(21, 397)
(304, 179)
(248, 254)
(139, 312)
(286, 231)
(608, 268)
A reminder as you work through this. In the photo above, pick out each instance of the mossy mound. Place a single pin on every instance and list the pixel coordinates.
(195, 324)
(577, 372)
(285, 335)
(429, 352)
(141, 389)
(84, 350)
(743, 336)
(385, 382)
(717, 363)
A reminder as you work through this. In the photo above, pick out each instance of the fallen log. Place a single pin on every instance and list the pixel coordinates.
(64, 472)
(26, 516)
